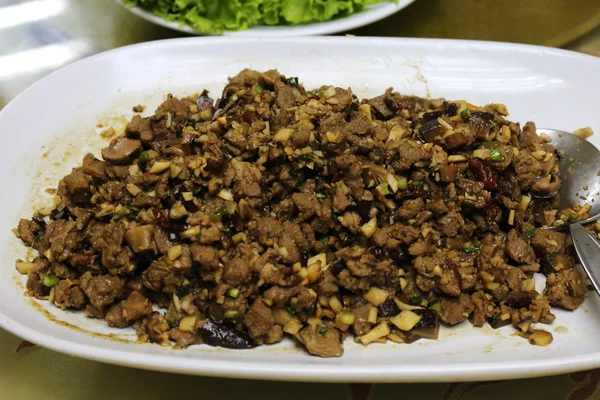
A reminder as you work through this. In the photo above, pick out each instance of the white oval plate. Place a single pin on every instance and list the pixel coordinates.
(555, 88)
(370, 14)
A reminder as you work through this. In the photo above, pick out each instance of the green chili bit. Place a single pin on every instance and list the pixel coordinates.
(528, 236)
(199, 235)
(496, 155)
(144, 157)
(184, 291)
(306, 157)
(192, 123)
(334, 216)
(233, 292)
(572, 218)
(222, 212)
(290, 310)
(465, 113)
(323, 330)
(123, 211)
(417, 183)
(552, 256)
(258, 89)
(415, 301)
(320, 94)
(325, 240)
(50, 281)
(470, 248)
(293, 81)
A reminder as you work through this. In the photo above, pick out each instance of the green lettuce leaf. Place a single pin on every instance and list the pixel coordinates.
(215, 16)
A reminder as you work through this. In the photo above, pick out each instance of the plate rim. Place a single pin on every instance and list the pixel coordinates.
(319, 372)
(373, 13)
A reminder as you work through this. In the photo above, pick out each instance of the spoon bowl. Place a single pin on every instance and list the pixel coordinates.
(579, 163)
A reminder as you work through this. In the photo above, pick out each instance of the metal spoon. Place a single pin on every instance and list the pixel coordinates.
(580, 168)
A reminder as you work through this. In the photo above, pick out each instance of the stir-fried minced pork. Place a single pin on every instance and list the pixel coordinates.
(279, 211)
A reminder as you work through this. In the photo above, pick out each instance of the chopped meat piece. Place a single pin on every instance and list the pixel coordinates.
(141, 238)
(565, 289)
(67, 295)
(139, 128)
(518, 249)
(236, 271)
(548, 241)
(321, 341)
(102, 290)
(259, 319)
(453, 311)
(121, 150)
(76, 186)
(28, 231)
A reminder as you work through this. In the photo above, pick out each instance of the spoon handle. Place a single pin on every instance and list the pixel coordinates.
(588, 250)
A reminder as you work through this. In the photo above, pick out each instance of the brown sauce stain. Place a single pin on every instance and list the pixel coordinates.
(561, 329)
(50, 317)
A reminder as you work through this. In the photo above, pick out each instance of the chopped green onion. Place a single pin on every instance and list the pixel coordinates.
(222, 212)
(233, 292)
(323, 330)
(306, 157)
(572, 218)
(293, 81)
(464, 114)
(144, 157)
(39, 236)
(192, 123)
(198, 235)
(470, 248)
(496, 155)
(325, 240)
(183, 292)
(258, 89)
(123, 211)
(230, 314)
(415, 301)
(320, 94)
(529, 235)
(290, 310)
(436, 307)
(172, 324)
(50, 281)
(417, 183)
(334, 215)
(552, 256)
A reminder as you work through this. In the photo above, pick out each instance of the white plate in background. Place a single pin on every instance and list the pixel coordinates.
(554, 88)
(371, 13)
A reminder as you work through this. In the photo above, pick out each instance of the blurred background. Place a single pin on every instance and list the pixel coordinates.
(39, 36)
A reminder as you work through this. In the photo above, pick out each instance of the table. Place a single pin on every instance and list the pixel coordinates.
(43, 35)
